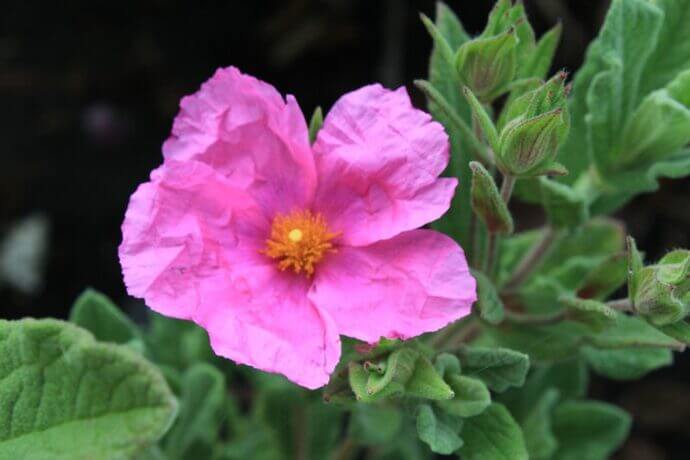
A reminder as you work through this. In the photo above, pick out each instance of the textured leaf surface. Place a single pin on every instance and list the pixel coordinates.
(589, 429)
(493, 435)
(438, 431)
(499, 368)
(99, 315)
(627, 364)
(70, 397)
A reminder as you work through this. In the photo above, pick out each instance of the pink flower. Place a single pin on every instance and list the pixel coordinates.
(275, 247)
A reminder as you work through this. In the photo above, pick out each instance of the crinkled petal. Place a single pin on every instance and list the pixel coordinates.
(243, 128)
(262, 317)
(413, 283)
(379, 161)
(181, 228)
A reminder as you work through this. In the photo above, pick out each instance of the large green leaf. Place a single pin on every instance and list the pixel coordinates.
(493, 435)
(606, 88)
(471, 396)
(375, 424)
(589, 429)
(672, 53)
(444, 77)
(67, 396)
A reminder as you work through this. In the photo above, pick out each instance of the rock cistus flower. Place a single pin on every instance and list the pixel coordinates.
(277, 247)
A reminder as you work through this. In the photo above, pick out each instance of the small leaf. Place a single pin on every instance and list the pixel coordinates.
(539, 438)
(493, 435)
(482, 118)
(488, 303)
(542, 56)
(635, 265)
(315, 124)
(99, 315)
(605, 278)
(488, 203)
(627, 364)
(592, 313)
(441, 436)
(447, 364)
(73, 397)
(565, 206)
(589, 429)
(426, 382)
(499, 368)
(471, 397)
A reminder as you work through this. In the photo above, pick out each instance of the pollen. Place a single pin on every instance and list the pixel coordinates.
(299, 241)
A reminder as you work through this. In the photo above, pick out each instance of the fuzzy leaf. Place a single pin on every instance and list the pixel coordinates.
(626, 364)
(99, 315)
(72, 397)
(630, 332)
(315, 124)
(438, 431)
(372, 425)
(488, 303)
(201, 411)
(493, 435)
(471, 397)
(426, 382)
(589, 429)
(592, 313)
(499, 368)
(539, 438)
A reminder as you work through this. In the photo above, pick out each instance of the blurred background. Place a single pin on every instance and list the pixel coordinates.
(89, 90)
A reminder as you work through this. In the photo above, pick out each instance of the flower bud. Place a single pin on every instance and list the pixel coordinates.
(537, 123)
(488, 65)
(487, 201)
(662, 291)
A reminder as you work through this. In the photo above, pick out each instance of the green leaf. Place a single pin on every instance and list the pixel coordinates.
(679, 331)
(471, 397)
(659, 127)
(672, 51)
(540, 441)
(488, 203)
(564, 206)
(436, 431)
(315, 124)
(626, 364)
(400, 367)
(426, 382)
(447, 364)
(493, 435)
(483, 119)
(596, 315)
(606, 88)
(444, 77)
(631, 332)
(99, 315)
(488, 303)
(201, 411)
(72, 397)
(605, 278)
(674, 267)
(372, 425)
(499, 368)
(589, 429)
(539, 62)
(542, 343)
(635, 265)
(176, 343)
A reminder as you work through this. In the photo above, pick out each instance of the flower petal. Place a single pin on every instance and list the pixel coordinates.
(243, 128)
(263, 318)
(378, 160)
(413, 283)
(180, 228)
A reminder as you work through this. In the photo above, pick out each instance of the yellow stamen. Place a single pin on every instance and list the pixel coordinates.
(299, 241)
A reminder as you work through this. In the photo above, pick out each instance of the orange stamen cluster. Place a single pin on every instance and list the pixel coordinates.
(299, 240)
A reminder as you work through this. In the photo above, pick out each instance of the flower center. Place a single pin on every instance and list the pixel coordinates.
(299, 240)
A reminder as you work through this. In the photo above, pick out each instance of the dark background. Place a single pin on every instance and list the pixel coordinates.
(89, 89)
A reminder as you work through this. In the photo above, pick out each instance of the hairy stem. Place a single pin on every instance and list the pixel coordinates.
(535, 319)
(531, 260)
(620, 304)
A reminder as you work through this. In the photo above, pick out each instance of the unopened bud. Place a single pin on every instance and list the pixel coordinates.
(487, 201)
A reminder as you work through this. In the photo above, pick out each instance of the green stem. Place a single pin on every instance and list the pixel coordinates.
(620, 304)
(476, 147)
(531, 260)
(534, 319)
